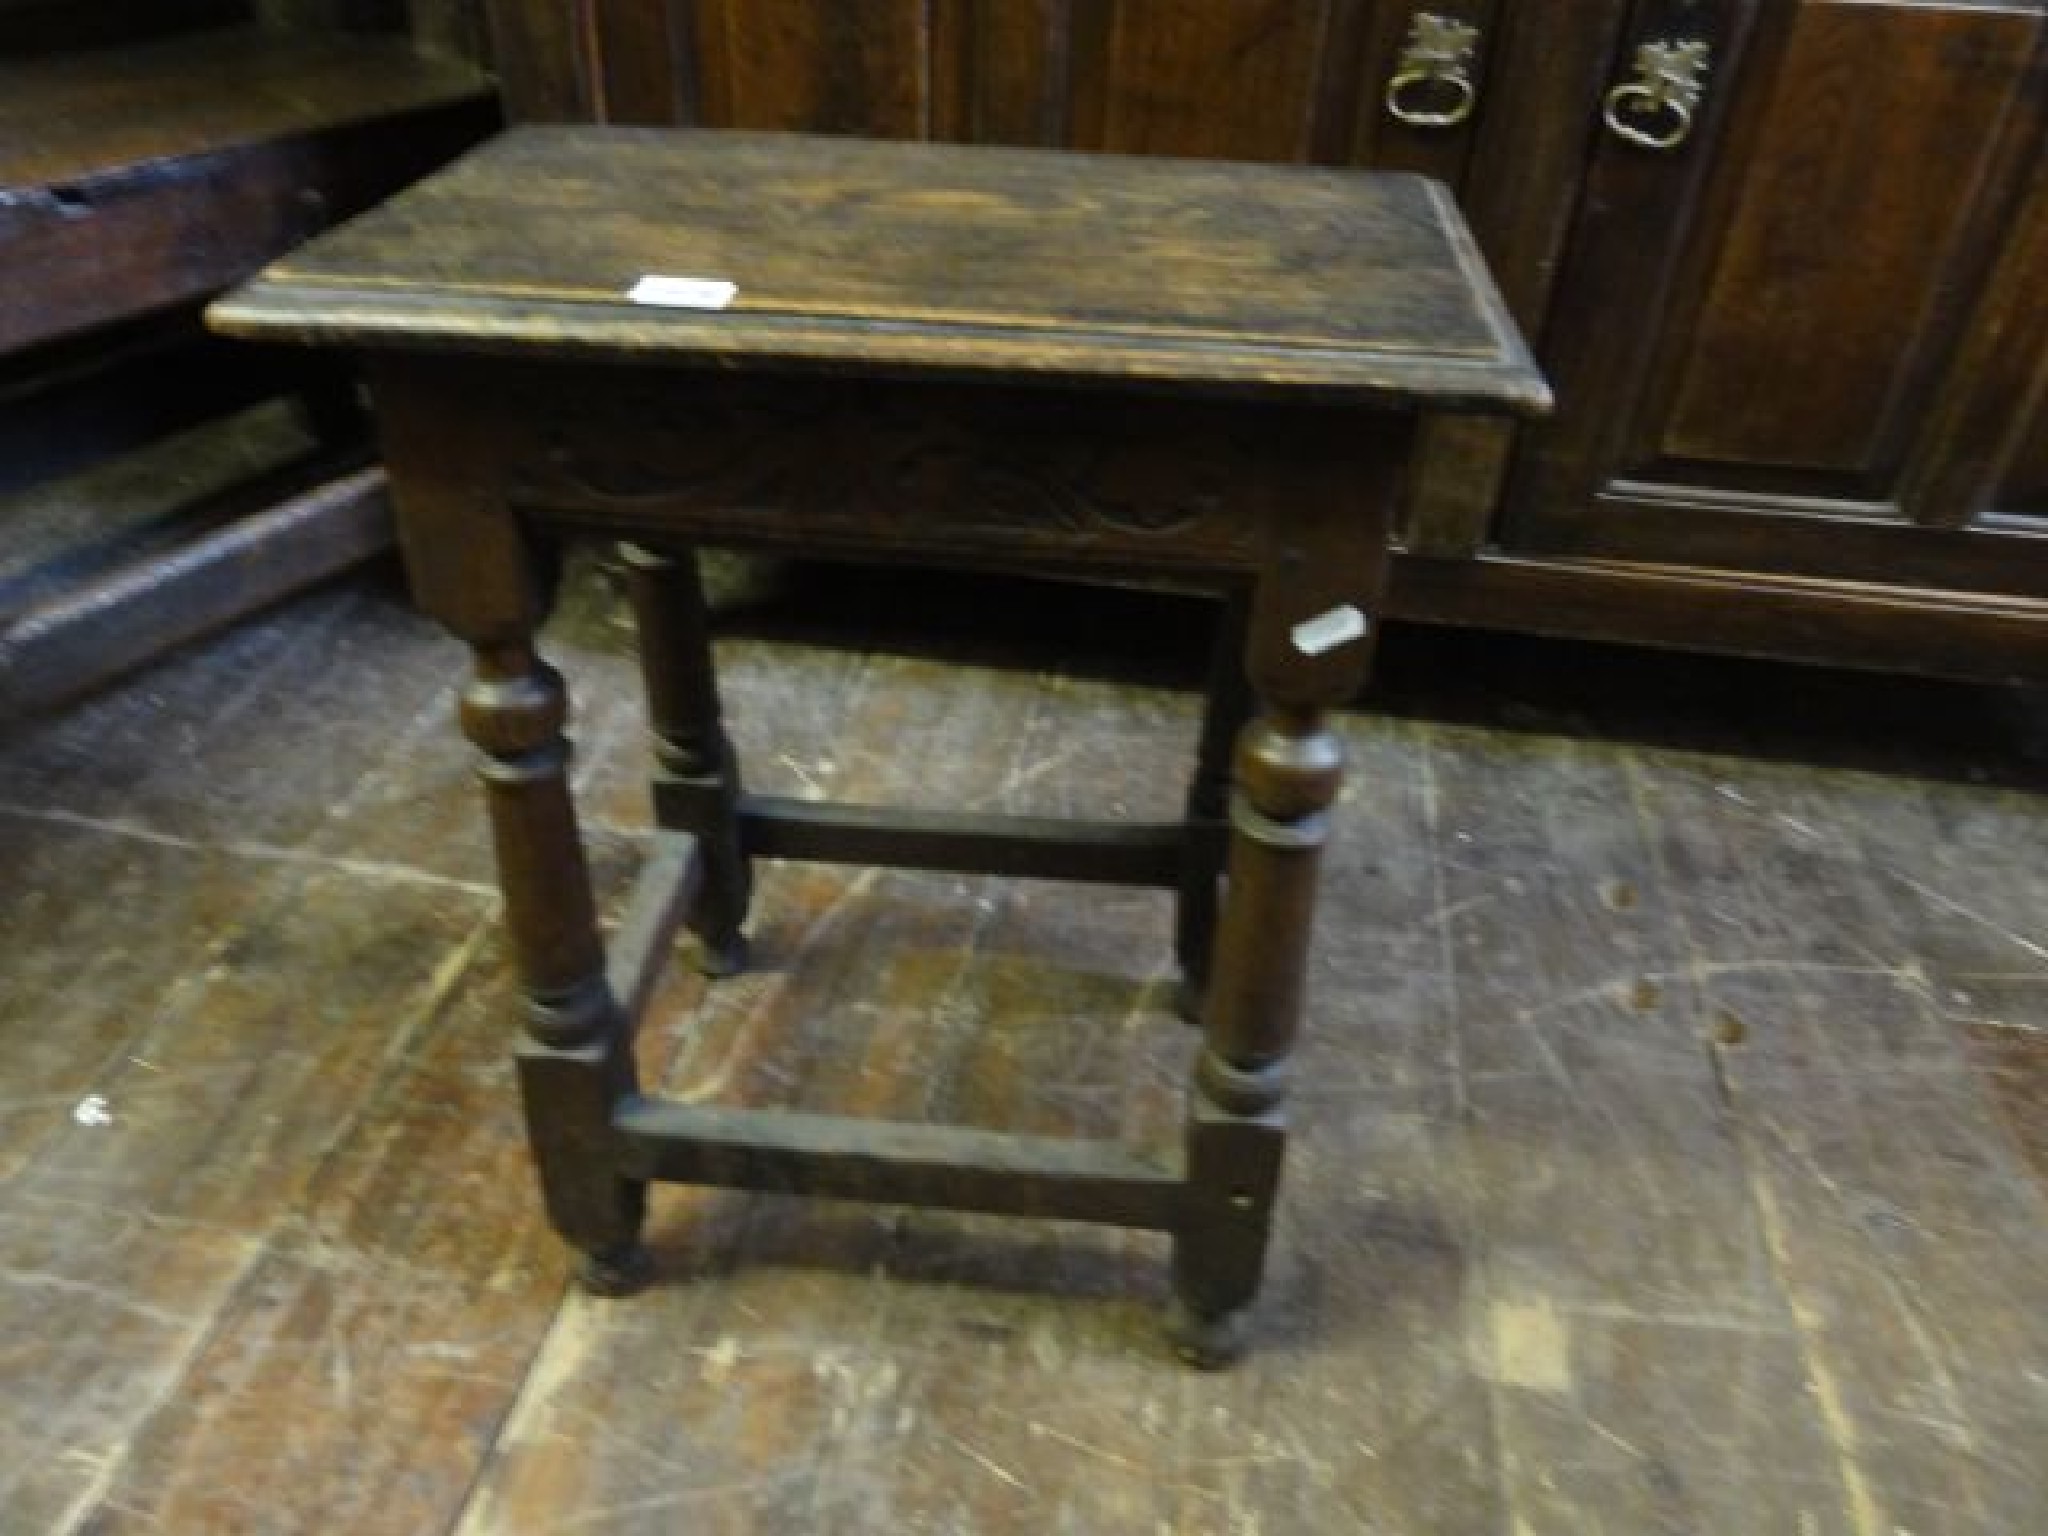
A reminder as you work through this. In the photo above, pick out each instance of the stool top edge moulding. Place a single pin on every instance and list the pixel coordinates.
(917, 258)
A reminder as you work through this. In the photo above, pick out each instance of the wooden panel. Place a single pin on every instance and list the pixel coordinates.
(1000, 71)
(1838, 267)
(640, 72)
(828, 66)
(1765, 338)
(1241, 81)
(540, 52)
(1983, 450)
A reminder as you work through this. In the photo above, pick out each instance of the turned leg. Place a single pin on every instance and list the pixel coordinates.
(576, 1061)
(1308, 648)
(1289, 765)
(696, 782)
(1225, 708)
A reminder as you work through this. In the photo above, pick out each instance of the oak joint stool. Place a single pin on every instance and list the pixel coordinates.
(1022, 360)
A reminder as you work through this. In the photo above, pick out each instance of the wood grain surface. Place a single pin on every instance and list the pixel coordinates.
(898, 255)
(1669, 1108)
(91, 114)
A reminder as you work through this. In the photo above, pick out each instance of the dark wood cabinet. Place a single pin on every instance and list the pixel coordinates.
(1800, 348)
(1754, 334)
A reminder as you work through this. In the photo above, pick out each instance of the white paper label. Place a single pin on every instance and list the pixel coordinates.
(683, 292)
(1326, 631)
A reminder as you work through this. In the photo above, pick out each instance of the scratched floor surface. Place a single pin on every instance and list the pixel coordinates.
(1671, 1146)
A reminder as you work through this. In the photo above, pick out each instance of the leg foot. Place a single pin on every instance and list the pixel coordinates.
(619, 1271)
(1209, 1342)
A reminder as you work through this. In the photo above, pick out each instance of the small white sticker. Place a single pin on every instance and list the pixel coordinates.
(92, 1110)
(1326, 631)
(683, 292)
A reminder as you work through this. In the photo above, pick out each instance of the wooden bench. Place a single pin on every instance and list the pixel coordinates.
(1078, 366)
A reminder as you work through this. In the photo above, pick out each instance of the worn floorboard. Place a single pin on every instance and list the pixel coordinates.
(1670, 1151)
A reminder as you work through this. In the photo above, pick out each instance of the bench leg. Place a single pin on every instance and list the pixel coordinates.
(577, 1059)
(697, 781)
(1225, 708)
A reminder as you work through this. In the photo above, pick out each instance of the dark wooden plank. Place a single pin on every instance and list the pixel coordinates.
(1840, 937)
(128, 1233)
(541, 56)
(1829, 276)
(641, 70)
(1239, 81)
(1000, 71)
(1625, 1273)
(1045, 848)
(830, 66)
(67, 121)
(1841, 624)
(388, 1326)
(388, 1318)
(896, 1163)
(134, 179)
(89, 1006)
(268, 690)
(74, 643)
(2012, 1058)
(1855, 541)
(1983, 448)
(103, 1309)
(907, 256)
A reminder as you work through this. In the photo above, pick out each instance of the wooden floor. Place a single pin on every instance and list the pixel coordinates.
(1672, 1153)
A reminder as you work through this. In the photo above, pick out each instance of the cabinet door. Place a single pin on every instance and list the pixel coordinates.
(1758, 327)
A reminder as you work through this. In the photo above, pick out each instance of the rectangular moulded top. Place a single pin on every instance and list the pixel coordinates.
(915, 259)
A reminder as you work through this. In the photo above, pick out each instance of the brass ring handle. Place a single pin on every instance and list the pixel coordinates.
(1418, 114)
(1641, 100)
(1432, 84)
(1655, 109)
